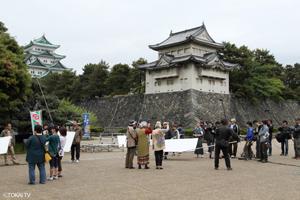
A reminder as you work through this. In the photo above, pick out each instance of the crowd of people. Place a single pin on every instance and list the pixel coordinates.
(38, 144)
(48, 140)
(222, 136)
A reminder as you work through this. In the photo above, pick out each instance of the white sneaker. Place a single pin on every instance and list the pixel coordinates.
(55, 178)
(77, 161)
(50, 178)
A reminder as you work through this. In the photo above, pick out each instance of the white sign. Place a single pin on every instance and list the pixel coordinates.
(4, 141)
(122, 141)
(181, 145)
(69, 141)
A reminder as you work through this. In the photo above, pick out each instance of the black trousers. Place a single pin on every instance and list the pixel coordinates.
(233, 149)
(158, 157)
(257, 148)
(218, 148)
(59, 163)
(75, 147)
(264, 151)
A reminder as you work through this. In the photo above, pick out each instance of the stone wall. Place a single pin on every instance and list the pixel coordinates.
(186, 108)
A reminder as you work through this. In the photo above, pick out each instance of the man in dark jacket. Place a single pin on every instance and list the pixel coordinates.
(296, 136)
(222, 135)
(286, 134)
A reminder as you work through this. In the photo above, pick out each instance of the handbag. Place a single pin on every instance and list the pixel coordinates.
(47, 157)
(47, 154)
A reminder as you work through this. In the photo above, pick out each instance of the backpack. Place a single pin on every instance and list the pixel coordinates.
(279, 137)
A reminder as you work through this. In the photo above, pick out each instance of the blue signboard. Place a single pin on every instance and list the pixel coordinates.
(86, 125)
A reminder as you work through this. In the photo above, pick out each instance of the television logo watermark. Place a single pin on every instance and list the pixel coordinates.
(16, 195)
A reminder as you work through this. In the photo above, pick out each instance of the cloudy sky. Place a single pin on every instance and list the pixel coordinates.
(119, 31)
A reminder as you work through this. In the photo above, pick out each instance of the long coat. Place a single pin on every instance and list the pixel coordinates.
(35, 149)
(143, 144)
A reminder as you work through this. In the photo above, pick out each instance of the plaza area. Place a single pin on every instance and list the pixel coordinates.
(103, 176)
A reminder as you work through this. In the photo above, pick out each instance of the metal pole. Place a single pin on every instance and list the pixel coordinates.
(44, 100)
(223, 108)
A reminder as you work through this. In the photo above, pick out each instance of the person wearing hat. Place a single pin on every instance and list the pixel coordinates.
(234, 145)
(131, 136)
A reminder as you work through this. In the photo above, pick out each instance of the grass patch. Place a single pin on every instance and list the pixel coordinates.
(20, 148)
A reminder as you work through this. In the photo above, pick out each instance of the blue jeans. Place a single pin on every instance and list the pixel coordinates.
(285, 147)
(42, 170)
(270, 147)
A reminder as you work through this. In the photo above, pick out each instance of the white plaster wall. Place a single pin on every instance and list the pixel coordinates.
(188, 78)
(48, 60)
(36, 71)
(201, 50)
(39, 48)
(180, 50)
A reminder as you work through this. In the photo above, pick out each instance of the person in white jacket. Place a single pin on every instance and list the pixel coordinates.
(62, 138)
(158, 143)
(263, 140)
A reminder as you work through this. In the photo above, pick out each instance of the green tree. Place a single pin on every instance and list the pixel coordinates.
(259, 75)
(61, 85)
(93, 80)
(66, 110)
(137, 76)
(118, 81)
(14, 78)
(291, 79)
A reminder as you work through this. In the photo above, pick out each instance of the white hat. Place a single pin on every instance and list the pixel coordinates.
(143, 124)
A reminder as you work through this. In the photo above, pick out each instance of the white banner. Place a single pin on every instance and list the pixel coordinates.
(181, 145)
(4, 141)
(122, 141)
(69, 141)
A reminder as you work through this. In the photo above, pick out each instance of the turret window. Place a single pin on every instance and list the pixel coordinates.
(170, 82)
(157, 83)
(187, 50)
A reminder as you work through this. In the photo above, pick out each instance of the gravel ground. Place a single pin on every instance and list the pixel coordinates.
(103, 176)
